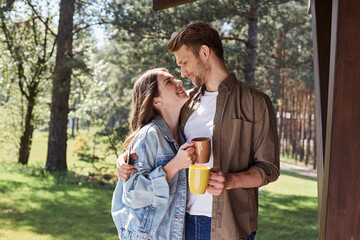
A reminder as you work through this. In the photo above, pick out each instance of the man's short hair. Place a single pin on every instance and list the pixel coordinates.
(194, 35)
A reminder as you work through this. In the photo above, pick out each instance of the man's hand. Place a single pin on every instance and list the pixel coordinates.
(123, 168)
(217, 182)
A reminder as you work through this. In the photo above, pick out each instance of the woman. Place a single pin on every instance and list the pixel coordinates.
(151, 204)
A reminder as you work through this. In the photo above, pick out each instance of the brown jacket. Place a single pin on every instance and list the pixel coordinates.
(244, 135)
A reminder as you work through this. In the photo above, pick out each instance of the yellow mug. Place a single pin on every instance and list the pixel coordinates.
(198, 178)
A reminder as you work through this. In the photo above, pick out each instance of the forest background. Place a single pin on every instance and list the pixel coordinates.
(67, 69)
(267, 45)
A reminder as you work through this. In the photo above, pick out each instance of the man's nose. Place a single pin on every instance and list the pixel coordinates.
(184, 73)
(178, 83)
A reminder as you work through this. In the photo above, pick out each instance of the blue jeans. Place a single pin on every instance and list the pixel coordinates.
(199, 228)
(251, 236)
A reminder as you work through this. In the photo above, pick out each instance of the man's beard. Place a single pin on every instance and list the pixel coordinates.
(200, 73)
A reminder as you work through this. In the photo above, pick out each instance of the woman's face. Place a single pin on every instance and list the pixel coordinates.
(171, 92)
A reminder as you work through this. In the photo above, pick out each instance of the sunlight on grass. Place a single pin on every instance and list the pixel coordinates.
(46, 207)
(288, 208)
(39, 152)
(38, 205)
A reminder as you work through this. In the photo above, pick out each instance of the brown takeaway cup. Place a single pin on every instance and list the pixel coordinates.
(202, 148)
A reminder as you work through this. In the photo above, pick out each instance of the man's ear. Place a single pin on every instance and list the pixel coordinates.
(204, 52)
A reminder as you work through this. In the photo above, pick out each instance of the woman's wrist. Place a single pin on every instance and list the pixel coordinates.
(170, 169)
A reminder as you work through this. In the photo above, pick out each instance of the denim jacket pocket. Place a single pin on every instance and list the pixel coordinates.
(147, 219)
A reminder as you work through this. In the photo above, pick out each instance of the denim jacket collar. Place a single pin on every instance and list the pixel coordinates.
(160, 122)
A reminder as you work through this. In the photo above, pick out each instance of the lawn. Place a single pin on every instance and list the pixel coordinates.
(38, 205)
(288, 208)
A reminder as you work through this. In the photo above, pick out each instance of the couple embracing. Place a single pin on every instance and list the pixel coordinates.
(152, 200)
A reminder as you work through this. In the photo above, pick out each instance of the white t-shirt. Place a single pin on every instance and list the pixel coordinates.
(200, 124)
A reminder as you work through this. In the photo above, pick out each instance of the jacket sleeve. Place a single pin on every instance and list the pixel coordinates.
(265, 139)
(149, 185)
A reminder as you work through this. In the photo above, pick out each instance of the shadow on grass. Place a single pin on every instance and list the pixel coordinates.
(62, 210)
(9, 186)
(287, 217)
(297, 175)
(88, 158)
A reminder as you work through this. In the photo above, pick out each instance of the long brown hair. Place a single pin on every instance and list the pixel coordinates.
(194, 35)
(142, 110)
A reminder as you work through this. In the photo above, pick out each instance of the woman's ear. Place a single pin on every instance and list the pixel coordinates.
(157, 102)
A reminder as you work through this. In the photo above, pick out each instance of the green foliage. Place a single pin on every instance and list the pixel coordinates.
(285, 48)
(28, 42)
(115, 137)
(10, 126)
(81, 146)
(103, 74)
(136, 44)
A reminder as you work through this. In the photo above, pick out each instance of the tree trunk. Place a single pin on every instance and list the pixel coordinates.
(73, 127)
(77, 124)
(279, 92)
(293, 128)
(251, 45)
(299, 123)
(309, 137)
(303, 125)
(280, 127)
(314, 151)
(56, 156)
(26, 138)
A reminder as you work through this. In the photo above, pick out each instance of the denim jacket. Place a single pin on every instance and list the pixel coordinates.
(147, 206)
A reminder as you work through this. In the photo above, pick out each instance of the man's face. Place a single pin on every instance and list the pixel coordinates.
(191, 65)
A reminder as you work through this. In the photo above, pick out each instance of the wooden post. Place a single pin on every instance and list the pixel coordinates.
(337, 85)
(342, 150)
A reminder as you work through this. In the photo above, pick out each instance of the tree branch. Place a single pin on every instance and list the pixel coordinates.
(90, 25)
(45, 23)
(235, 39)
(251, 5)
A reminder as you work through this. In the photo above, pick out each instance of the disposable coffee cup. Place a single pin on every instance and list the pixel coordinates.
(202, 149)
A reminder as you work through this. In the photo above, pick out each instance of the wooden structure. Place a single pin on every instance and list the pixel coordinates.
(162, 4)
(336, 37)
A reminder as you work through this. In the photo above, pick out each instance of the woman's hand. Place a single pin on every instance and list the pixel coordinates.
(125, 169)
(185, 156)
(183, 159)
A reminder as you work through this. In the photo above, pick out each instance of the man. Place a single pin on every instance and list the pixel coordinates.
(241, 122)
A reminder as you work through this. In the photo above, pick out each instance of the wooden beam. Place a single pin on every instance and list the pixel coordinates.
(321, 26)
(342, 149)
(162, 4)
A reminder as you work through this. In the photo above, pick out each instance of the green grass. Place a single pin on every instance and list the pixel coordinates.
(288, 208)
(83, 166)
(38, 205)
